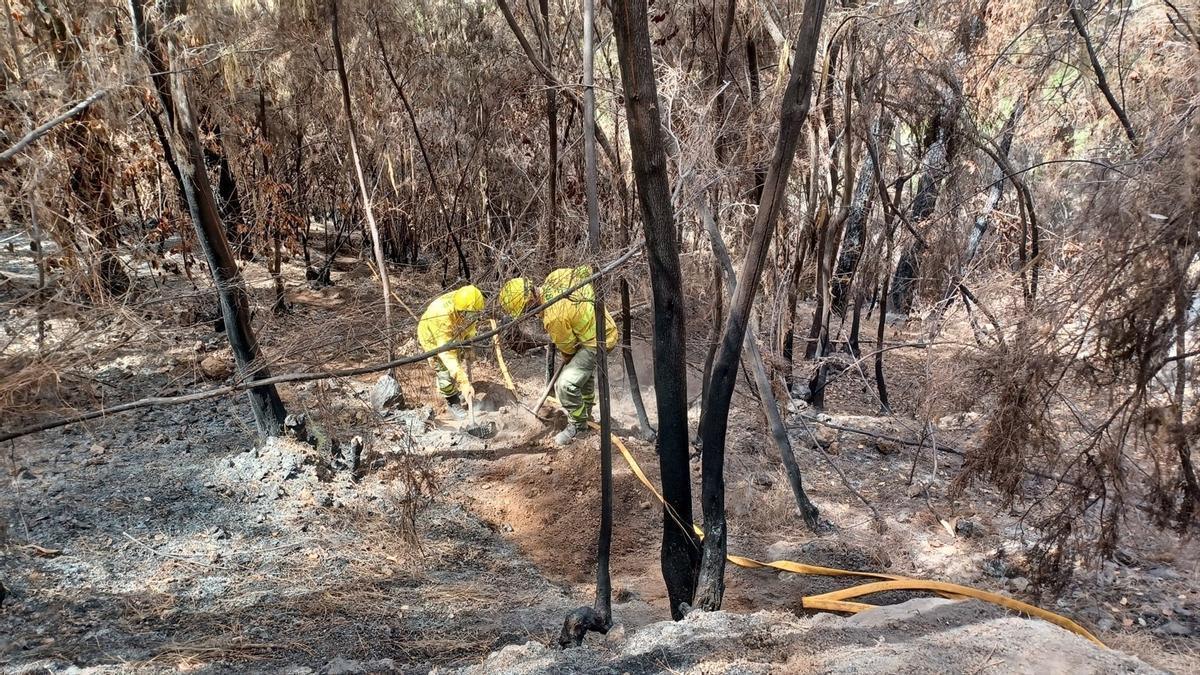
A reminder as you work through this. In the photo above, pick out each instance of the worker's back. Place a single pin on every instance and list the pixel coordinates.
(558, 281)
(442, 323)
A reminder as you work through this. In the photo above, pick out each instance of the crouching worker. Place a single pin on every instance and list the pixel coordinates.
(451, 317)
(571, 323)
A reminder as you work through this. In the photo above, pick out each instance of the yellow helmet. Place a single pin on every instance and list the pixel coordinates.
(468, 299)
(515, 296)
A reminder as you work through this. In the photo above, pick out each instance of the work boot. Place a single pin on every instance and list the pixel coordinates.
(454, 405)
(568, 435)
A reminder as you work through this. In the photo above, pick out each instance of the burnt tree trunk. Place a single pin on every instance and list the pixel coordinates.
(647, 431)
(982, 221)
(852, 342)
(794, 110)
(230, 206)
(762, 383)
(598, 617)
(722, 152)
(714, 336)
(171, 86)
(928, 189)
(821, 227)
(1183, 447)
(680, 550)
(273, 223)
(755, 87)
(856, 220)
(788, 322)
(352, 127)
(552, 130)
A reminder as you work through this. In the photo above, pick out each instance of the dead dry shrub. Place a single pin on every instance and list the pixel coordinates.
(1019, 432)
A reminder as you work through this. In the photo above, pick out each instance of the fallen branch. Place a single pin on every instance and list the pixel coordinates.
(293, 378)
(880, 526)
(920, 444)
(42, 551)
(45, 128)
(172, 556)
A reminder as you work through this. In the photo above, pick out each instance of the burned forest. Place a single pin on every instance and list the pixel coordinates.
(633, 336)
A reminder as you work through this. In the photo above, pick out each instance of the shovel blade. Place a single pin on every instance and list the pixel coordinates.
(484, 431)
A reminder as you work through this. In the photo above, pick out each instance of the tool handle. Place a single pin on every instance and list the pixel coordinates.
(549, 387)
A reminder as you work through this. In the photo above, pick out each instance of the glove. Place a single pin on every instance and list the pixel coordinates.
(467, 391)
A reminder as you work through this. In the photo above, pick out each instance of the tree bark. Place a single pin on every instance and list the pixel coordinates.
(723, 141)
(647, 431)
(779, 435)
(982, 221)
(1080, 22)
(1183, 447)
(598, 617)
(936, 160)
(755, 87)
(603, 604)
(856, 220)
(352, 126)
(788, 318)
(280, 306)
(795, 107)
(171, 86)
(680, 551)
(552, 131)
(230, 207)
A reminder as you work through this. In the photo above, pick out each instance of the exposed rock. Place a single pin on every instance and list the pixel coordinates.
(961, 420)
(968, 528)
(826, 437)
(412, 421)
(217, 366)
(386, 394)
(999, 566)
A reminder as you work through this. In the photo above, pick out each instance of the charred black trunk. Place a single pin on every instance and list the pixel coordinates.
(795, 107)
(235, 307)
(229, 198)
(934, 170)
(680, 550)
(856, 221)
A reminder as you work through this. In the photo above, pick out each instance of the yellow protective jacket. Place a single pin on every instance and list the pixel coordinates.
(561, 279)
(440, 324)
(571, 322)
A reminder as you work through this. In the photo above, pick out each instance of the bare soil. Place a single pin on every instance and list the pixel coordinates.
(169, 540)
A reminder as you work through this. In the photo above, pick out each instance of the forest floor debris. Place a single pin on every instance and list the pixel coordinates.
(180, 544)
(919, 636)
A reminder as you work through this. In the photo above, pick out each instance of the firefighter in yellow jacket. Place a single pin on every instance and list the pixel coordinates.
(571, 323)
(451, 317)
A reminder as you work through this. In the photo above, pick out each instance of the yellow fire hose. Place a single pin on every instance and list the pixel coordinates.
(508, 382)
(840, 600)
